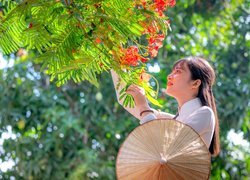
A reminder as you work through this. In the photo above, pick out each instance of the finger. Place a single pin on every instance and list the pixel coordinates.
(139, 89)
(135, 90)
(131, 94)
(132, 87)
(130, 91)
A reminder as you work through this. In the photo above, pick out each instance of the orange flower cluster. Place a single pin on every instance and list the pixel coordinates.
(158, 5)
(155, 37)
(144, 76)
(162, 4)
(131, 56)
(155, 43)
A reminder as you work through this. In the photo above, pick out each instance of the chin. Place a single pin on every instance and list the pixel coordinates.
(170, 92)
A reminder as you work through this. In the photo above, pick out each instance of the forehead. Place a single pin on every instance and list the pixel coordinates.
(181, 65)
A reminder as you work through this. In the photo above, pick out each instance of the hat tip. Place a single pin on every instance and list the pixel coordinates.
(163, 160)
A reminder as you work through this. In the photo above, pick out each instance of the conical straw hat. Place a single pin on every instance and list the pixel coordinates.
(163, 149)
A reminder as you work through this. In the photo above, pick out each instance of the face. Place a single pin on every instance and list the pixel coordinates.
(179, 82)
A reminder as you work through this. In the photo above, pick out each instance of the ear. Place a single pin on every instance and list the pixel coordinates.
(196, 84)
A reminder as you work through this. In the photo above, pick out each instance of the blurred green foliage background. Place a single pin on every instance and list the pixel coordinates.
(75, 131)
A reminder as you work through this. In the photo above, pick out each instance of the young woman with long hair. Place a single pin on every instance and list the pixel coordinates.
(190, 83)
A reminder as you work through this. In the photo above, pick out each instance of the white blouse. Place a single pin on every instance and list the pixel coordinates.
(200, 118)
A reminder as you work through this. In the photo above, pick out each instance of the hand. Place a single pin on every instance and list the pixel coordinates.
(138, 94)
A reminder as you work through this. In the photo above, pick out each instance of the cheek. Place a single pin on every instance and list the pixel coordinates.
(179, 87)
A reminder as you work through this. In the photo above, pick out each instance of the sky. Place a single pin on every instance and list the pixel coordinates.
(4, 63)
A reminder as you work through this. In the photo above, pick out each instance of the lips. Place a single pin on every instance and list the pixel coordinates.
(169, 84)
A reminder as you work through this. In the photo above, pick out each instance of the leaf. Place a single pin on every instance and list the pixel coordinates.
(122, 96)
(153, 101)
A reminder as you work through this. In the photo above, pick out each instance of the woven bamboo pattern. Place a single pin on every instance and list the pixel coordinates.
(163, 149)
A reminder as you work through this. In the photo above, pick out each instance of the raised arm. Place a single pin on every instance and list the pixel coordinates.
(134, 111)
(148, 116)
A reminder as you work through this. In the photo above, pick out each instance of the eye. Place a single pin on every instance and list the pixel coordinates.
(177, 70)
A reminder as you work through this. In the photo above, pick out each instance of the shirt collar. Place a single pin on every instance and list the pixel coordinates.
(189, 107)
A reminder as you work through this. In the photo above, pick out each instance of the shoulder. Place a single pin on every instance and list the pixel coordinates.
(202, 120)
(205, 110)
(160, 114)
(204, 113)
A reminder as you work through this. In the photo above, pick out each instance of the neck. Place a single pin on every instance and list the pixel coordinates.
(183, 100)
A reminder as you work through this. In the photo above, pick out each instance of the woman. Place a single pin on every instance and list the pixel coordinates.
(190, 83)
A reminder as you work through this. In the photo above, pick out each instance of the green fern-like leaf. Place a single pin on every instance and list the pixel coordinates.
(78, 39)
(10, 34)
(37, 38)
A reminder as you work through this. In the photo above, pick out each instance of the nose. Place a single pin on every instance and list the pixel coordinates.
(170, 76)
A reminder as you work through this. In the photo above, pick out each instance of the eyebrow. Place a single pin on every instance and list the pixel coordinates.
(179, 67)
